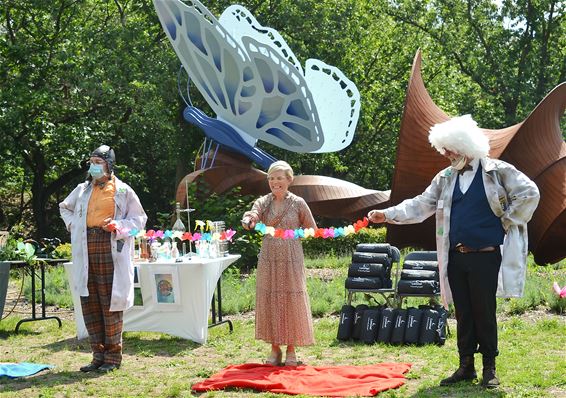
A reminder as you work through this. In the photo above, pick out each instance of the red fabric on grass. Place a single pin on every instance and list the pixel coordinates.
(336, 381)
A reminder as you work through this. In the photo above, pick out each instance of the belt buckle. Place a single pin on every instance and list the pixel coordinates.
(461, 249)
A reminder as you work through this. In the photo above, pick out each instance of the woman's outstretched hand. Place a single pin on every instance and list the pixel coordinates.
(248, 223)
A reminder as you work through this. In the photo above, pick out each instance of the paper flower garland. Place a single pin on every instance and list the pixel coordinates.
(301, 233)
(153, 235)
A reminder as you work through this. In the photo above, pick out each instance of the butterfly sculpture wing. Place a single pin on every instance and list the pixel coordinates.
(337, 101)
(336, 98)
(287, 117)
(239, 22)
(215, 62)
(253, 81)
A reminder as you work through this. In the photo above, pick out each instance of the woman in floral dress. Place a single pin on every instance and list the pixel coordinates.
(283, 314)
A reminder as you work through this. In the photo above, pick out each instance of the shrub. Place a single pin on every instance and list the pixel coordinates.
(62, 251)
(9, 251)
(343, 246)
(326, 297)
(228, 207)
(557, 304)
(247, 245)
(239, 291)
(538, 290)
(333, 262)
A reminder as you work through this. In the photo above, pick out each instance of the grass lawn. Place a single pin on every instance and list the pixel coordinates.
(532, 332)
(532, 361)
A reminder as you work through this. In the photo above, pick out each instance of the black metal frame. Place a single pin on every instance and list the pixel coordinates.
(32, 271)
(388, 295)
(217, 298)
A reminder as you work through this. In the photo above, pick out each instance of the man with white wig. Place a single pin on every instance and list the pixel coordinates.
(482, 207)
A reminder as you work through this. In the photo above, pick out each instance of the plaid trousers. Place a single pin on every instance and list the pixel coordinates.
(104, 327)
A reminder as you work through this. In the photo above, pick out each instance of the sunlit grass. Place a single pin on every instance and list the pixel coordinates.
(531, 364)
(327, 296)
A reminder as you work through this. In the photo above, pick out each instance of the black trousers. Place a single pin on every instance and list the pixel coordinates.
(473, 282)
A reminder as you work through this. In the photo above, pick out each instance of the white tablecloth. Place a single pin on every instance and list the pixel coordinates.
(193, 282)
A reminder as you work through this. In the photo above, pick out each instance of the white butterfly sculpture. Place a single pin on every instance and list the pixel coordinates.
(256, 86)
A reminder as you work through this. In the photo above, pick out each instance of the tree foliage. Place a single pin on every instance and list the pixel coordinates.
(76, 74)
(509, 57)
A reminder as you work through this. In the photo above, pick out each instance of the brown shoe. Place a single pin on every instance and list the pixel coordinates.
(90, 367)
(490, 379)
(466, 371)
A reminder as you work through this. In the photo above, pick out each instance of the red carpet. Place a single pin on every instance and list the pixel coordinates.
(336, 381)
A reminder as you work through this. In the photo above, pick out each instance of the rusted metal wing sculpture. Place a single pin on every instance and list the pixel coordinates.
(326, 196)
(535, 146)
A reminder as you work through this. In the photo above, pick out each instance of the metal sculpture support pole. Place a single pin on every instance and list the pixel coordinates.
(188, 218)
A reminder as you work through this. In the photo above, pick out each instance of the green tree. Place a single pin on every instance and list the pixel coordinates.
(509, 57)
(76, 75)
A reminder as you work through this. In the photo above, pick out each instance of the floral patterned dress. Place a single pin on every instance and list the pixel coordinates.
(283, 314)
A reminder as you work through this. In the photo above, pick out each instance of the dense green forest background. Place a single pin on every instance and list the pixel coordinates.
(75, 74)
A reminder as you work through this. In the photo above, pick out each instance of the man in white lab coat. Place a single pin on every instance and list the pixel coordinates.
(100, 213)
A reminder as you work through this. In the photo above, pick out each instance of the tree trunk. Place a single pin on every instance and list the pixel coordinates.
(39, 198)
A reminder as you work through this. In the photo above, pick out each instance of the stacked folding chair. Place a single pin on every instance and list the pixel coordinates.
(371, 272)
(419, 276)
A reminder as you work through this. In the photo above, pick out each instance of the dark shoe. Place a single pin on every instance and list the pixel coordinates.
(466, 371)
(490, 379)
(108, 367)
(90, 367)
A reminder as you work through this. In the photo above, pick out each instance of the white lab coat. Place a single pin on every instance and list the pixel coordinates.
(128, 214)
(512, 196)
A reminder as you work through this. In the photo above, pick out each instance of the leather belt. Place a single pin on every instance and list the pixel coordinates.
(465, 249)
(95, 230)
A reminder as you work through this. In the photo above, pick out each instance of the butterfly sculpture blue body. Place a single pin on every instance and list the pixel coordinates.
(258, 89)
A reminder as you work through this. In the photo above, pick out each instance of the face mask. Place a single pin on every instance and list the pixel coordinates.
(96, 171)
(459, 163)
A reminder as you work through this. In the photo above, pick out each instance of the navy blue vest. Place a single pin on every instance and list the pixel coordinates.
(472, 222)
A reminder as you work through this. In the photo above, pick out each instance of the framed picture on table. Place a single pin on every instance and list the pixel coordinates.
(166, 287)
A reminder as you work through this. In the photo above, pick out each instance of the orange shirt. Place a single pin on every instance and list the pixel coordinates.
(101, 204)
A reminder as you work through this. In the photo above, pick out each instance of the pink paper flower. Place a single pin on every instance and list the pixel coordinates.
(227, 235)
(561, 292)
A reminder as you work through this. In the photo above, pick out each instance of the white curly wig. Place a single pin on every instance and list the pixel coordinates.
(461, 135)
